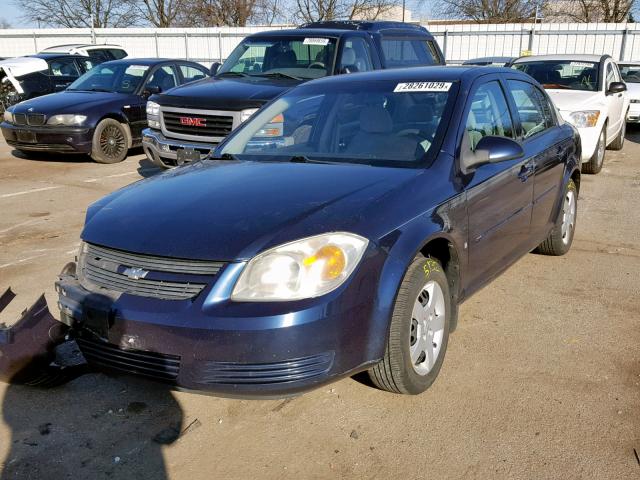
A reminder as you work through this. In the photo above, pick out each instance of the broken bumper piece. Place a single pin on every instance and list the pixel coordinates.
(28, 347)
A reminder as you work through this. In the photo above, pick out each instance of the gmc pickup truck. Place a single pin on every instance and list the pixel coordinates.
(187, 122)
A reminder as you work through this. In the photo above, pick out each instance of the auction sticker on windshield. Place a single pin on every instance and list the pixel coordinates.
(315, 41)
(423, 87)
(136, 70)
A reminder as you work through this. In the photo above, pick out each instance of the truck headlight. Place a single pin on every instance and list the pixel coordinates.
(245, 114)
(275, 128)
(153, 109)
(305, 268)
(8, 116)
(583, 119)
(67, 119)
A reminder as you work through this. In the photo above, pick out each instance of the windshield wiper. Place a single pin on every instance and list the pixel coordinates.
(224, 156)
(232, 74)
(277, 75)
(89, 90)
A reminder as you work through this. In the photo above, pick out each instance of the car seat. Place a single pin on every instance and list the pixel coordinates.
(348, 62)
(287, 59)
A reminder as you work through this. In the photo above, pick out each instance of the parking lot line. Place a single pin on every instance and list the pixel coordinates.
(93, 180)
(24, 192)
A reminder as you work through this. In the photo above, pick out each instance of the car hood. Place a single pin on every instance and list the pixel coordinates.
(225, 93)
(72, 102)
(13, 68)
(576, 100)
(633, 90)
(221, 210)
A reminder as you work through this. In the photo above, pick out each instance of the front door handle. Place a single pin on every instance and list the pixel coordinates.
(526, 171)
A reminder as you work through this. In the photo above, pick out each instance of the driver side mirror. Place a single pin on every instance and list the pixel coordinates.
(617, 87)
(151, 90)
(490, 149)
(215, 66)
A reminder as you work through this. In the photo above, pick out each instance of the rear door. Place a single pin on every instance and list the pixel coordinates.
(499, 195)
(544, 141)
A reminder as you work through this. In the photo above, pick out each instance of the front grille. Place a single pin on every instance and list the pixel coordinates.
(215, 125)
(35, 119)
(293, 370)
(106, 268)
(19, 118)
(149, 364)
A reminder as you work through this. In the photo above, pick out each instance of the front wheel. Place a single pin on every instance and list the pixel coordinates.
(110, 142)
(561, 237)
(419, 331)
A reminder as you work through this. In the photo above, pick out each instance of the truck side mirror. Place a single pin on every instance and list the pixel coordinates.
(215, 66)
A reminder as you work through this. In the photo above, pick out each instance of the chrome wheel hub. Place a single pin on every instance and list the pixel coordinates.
(427, 328)
(568, 216)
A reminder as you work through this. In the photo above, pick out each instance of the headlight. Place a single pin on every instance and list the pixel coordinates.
(275, 128)
(153, 109)
(245, 114)
(70, 119)
(584, 119)
(305, 268)
(8, 116)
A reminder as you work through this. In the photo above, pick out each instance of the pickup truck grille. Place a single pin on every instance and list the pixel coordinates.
(198, 124)
(126, 272)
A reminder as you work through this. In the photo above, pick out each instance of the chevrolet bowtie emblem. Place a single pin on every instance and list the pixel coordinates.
(135, 273)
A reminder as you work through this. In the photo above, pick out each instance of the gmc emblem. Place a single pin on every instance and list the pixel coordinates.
(193, 122)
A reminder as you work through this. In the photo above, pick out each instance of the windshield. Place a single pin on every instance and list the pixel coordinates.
(115, 78)
(298, 57)
(373, 122)
(565, 75)
(630, 73)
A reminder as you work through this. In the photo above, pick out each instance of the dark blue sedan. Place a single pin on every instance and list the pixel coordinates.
(101, 114)
(343, 244)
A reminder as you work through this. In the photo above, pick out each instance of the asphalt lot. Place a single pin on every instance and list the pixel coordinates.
(541, 379)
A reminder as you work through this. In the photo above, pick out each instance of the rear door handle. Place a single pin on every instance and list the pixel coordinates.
(526, 171)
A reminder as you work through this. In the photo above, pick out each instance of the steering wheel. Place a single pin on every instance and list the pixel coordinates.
(317, 65)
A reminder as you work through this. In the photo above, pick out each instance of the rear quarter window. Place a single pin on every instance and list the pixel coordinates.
(406, 52)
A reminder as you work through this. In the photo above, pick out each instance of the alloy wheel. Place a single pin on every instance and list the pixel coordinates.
(112, 141)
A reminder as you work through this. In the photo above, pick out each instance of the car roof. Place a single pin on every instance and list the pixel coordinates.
(144, 61)
(420, 74)
(489, 59)
(71, 46)
(562, 57)
(634, 63)
(52, 55)
(341, 28)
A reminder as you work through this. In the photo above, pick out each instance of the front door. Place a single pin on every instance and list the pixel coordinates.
(614, 101)
(499, 195)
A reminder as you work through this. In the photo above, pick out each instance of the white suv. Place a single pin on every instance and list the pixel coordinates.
(98, 53)
(589, 93)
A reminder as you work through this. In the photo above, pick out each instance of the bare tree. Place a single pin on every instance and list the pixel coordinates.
(489, 11)
(159, 13)
(234, 13)
(589, 10)
(319, 10)
(78, 13)
(4, 23)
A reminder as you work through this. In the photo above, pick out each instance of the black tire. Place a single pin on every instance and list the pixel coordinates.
(559, 242)
(594, 165)
(395, 372)
(618, 143)
(110, 142)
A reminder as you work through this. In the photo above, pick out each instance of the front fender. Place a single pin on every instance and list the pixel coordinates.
(447, 221)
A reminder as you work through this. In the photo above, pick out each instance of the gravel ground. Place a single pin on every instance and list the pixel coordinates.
(541, 379)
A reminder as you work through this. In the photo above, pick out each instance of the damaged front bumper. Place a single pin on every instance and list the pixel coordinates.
(27, 348)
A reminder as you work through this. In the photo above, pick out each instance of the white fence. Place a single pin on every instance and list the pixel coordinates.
(458, 41)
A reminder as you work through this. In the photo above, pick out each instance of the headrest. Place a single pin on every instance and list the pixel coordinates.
(375, 120)
(348, 56)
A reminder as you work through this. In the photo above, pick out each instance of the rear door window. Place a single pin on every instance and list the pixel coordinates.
(64, 67)
(533, 108)
(406, 52)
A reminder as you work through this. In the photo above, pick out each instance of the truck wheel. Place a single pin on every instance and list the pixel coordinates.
(618, 143)
(594, 165)
(419, 330)
(559, 240)
(110, 142)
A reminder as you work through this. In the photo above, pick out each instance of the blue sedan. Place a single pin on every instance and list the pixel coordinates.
(101, 114)
(336, 231)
